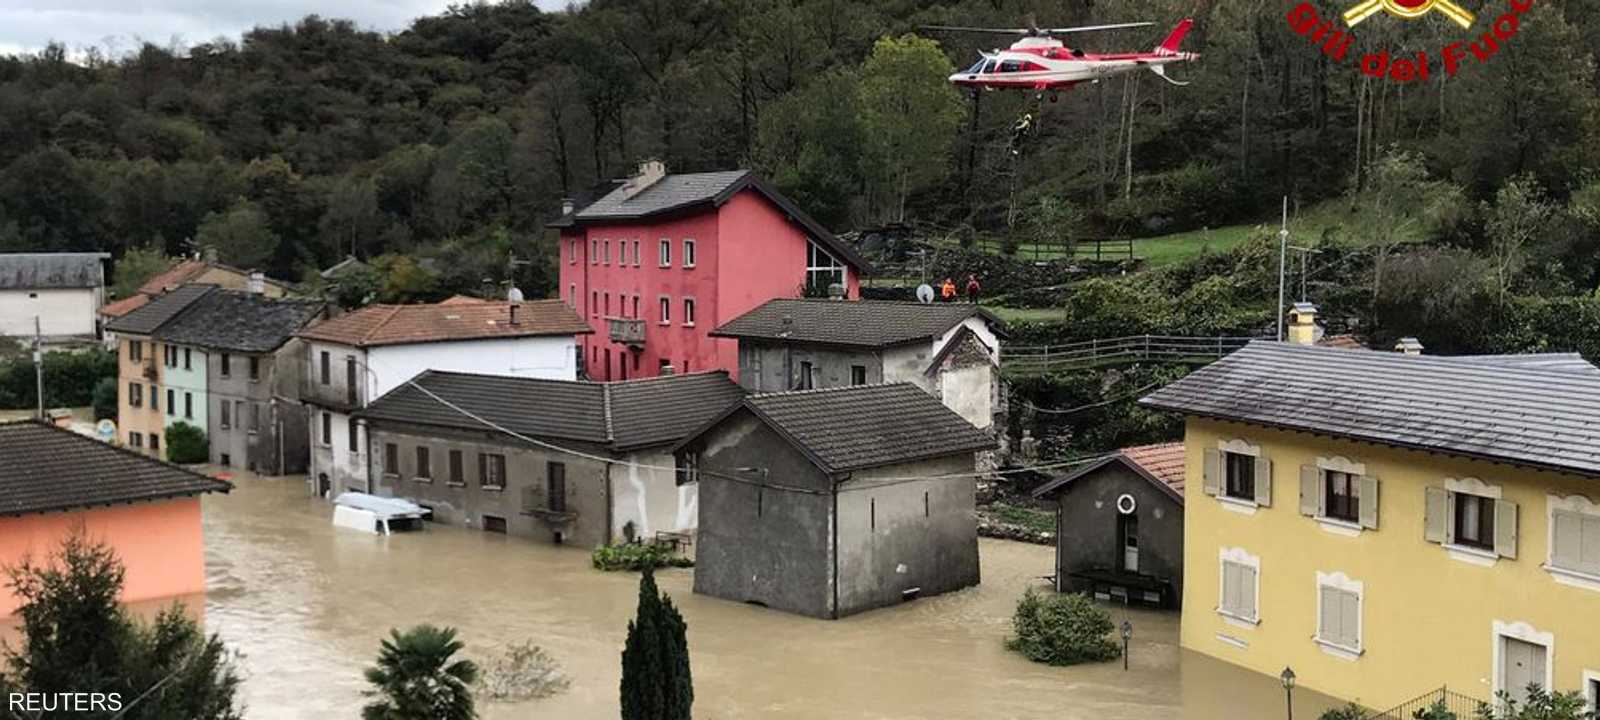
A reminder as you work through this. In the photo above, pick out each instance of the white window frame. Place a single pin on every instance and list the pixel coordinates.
(1237, 446)
(1477, 488)
(689, 308)
(834, 266)
(1528, 634)
(1575, 505)
(1342, 582)
(1237, 556)
(1339, 464)
(664, 257)
(606, 256)
(664, 308)
(688, 253)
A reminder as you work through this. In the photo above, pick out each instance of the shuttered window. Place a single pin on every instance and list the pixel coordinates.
(1467, 520)
(1339, 617)
(1241, 476)
(1577, 542)
(1239, 590)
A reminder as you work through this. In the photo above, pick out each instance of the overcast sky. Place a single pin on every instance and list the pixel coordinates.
(26, 25)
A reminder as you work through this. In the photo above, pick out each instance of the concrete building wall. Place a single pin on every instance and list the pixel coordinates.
(266, 429)
(339, 464)
(61, 311)
(649, 496)
(523, 502)
(1089, 531)
(776, 367)
(899, 537)
(550, 358)
(758, 542)
(142, 420)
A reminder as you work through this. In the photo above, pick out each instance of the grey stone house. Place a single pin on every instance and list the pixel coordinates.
(950, 350)
(559, 461)
(247, 345)
(831, 502)
(1119, 526)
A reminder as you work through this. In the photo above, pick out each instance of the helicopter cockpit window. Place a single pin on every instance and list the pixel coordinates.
(977, 67)
(1010, 66)
(988, 66)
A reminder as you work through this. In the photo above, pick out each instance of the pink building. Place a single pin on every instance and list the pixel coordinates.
(658, 263)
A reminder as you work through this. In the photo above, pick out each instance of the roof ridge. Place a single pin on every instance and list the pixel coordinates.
(820, 391)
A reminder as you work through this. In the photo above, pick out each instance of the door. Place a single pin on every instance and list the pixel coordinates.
(1524, 665)
(1128, 540)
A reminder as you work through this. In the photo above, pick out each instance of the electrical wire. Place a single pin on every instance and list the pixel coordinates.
(1091, 406)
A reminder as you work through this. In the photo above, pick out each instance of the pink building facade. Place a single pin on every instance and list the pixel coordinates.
(660, 262)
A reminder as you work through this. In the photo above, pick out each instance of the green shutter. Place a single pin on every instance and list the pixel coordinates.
(1311, 490)
(1436, 515)
(1369, 502)
(1211, 478)
(1505, 529)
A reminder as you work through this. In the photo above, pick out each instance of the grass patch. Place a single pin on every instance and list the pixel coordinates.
(1039, 521)
(1007, 314)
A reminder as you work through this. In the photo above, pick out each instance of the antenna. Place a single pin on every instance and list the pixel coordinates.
(1283, 252)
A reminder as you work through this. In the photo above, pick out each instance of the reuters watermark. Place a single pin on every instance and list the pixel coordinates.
(1335, 39)
(85, 702)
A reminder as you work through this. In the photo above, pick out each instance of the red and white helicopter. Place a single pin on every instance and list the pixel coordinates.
(1040, 62)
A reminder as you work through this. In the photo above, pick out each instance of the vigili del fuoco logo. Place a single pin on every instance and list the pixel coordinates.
(1334, 35)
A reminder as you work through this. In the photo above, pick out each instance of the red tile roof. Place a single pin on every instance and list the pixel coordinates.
(176, 275)
(1346, 342)
(1165, 462)
(124, 306)
(377, 325)
(462, 300)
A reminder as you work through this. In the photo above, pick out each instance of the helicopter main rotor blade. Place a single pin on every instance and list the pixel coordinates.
(998, 31)
(1093, 28)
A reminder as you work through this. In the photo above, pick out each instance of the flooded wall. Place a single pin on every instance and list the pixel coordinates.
(899, 537)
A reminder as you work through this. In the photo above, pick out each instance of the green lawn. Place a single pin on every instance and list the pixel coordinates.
(1007, 314)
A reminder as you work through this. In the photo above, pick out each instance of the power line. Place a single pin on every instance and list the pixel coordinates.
(1091, 406)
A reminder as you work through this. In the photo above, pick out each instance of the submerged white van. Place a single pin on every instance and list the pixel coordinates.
(377, 515)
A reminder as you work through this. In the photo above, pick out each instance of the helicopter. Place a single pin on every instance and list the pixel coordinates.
(1041, 62)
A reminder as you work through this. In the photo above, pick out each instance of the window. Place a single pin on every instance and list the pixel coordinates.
(666, 310)
(255, 418)
(1575, 536)
(352, 435)
(688, 253)
(688, 312)
(1468, 517)
(155, 397)
(556, 486)
(135, 395)
(1008, 66)
(594, 251)
(327, 429)
(572, 252)
(391, 459)
(605, 303)
(1591, 687)
(351, 387)
(457, 474)
(495, 524)
(188, 406)
(1339, 491)
(255, 368)
(635, 307)
(858, 374)
(135, 440)
(136, 351)
(636, 253)
(492, 471)
(224, 415)
(1343, 496)
(606, 257)
(1339, 614)
(326, 368)
(1241, 476)
(424, 463)
(155, 441)
(572, 295)
(172, 402)
(188, 357)
(1240, 586)
(806, 375)
(688, 467)
(666, 252)
(822, 269)
(225, 365)
(1474, 521)
(594, 303)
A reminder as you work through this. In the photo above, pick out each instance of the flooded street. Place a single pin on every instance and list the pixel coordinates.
(307, 605)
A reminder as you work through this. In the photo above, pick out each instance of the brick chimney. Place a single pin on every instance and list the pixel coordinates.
(1303, 328)
(1409, 346)
(650, 173)
(514, 307)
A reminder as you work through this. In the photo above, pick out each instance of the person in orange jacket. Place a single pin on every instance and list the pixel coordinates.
(947, 291)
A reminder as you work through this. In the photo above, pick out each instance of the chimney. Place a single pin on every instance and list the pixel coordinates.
(650, 172)
(567, 206)
(836, 291)
(668, 369)
(258, 283)
(1303, 328)
(514, 307)
(788, 325)
(1409, 346)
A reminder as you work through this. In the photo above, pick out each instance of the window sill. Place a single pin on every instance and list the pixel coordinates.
(423, 480)
(1238, 620)
(493, 488)
(1574, 578)
(1340, 527)
(688, 324)
(1471, 555)
(1243, 507)
(1339, 651)
(1231, 640)
(456, 484)
(664, 323)
(688, 267)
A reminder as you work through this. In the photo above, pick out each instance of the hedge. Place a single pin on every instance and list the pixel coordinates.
(69, 378)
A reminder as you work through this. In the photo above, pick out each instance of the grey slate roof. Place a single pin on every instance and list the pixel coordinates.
(1564, 362)
(867, 426)
(47, 469)
(680, 192)
(623, 415)
(238, 321)
(158, 312)
(860, 323)
(1504, 412)
(48, 271)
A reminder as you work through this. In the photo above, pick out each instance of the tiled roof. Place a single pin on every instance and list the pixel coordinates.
(124, 306)
(681, 192)
(1162, 465)
(49, 271)
(462, 300)
(866, 426)
(1346, 342)
(622, 415)
(184, 271)
(158, 312)
(239, 321)
(377, 325)
(1559, 362)
(45, 469)
(1499, 411)
(860, 323)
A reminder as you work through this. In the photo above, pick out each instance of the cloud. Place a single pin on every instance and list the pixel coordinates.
(28, 25)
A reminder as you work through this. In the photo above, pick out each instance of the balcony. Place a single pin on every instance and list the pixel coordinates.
(627, 331)
(150, 369)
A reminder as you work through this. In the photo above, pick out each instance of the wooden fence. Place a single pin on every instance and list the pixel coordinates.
(1133, 348)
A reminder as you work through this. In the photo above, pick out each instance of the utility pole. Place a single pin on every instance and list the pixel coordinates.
(1283, 253)
(38, 365)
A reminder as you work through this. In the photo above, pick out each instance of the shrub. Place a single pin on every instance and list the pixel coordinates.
(69, 378)
(1348, 712)
(186, 444)
(637, 557)
(1062, 629)
(105, 398)
(1540, 705)
(525, 672)
(1437, 711)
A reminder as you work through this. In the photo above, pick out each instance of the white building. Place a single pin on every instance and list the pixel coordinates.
(62, 290)
(357, 357)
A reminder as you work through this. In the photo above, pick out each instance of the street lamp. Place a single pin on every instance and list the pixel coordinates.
(1127, 634)
(1287, 676)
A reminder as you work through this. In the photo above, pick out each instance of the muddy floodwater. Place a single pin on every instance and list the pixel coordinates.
(306, 604)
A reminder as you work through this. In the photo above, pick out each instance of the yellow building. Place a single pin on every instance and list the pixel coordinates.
(141, 361)
(1387, 524)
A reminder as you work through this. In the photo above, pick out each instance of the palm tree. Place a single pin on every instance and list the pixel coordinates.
(415, 678)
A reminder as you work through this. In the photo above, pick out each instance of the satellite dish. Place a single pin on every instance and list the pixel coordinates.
(925, 293)
(514, 294)
(106, 429)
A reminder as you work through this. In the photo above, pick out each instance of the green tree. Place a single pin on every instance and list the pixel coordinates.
(656, 681)
(910, 115)
(186, 444)
(1054, 224)
(242, 235)
(1519, 217)
(1402, 204)
(135, 267)
(76, 638)
(105, 398)
(418, 678)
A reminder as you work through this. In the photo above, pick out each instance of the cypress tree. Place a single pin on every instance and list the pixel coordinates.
(656, 682)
